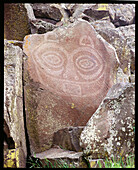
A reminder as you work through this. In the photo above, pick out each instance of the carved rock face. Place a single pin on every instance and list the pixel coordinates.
(74, 64)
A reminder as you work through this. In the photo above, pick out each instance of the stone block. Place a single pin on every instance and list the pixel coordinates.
(110, 131)
(55, 157)
(16, 24)
(14, 132)
(67, 73)
(68, 138)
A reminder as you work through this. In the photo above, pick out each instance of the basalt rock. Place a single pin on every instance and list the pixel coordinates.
(68, 138)
(123, 40)
(122, 14)
(60, 157)
(16, 24)
(67, 74)
(38, 25)
(128, 32)
(110, 131)
(98, 11)
(44, 10)
(14, 133)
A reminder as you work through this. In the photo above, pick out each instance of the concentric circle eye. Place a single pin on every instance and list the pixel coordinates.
(88, 63)
(50, 59)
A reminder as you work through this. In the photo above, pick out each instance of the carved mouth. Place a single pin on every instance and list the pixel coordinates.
(72, 89)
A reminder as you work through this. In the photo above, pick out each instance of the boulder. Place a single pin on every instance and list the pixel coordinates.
(110, 131)
(55, 157)
(101, 24)
(128, 32)
(14, 132)
(68, 138)
(67, 73)
(44, 10)
(38, 25)
(123, 40)
(16, 24)
(122, 14)
(16, 43)
(118, 14)
(98, 11)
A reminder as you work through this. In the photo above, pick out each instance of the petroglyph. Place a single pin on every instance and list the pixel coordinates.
(86, 40)
(73, 62)
(67, 74)
(55, 62)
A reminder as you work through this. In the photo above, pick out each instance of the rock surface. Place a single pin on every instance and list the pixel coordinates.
(110, 131)
(16, 24)
(14, 133)
(123, 40)
(68, 138)
(67, 74)
(63, 76)
(38, 25)
(44, 10)
(122, 14)
(71, 158)
(98, 11)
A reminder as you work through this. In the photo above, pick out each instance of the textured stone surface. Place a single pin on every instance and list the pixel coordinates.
(68, 138)
(128, 32)
(13, 104)
(39, 26)
(121, 14)
(110, 131)
(15, 21)
(98, 11)
(100, 24)
(123, 40)
(67, 74)
(73, 159)
(44, 10)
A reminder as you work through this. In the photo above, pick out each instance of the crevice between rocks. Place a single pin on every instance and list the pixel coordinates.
(24, 116)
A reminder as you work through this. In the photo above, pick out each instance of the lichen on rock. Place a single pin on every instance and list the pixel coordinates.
(110, 131)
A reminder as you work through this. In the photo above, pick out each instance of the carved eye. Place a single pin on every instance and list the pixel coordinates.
(88, 63)
(50, 58)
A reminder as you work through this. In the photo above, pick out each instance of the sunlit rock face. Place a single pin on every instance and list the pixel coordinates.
(15, 153)
(111, 129)
(68, 71)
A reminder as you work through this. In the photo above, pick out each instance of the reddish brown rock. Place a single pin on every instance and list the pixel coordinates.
(68, 138)
(67, 73)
